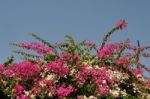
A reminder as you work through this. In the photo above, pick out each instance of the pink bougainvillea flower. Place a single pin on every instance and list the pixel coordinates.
(9, 71)
(1, 68)
(57, 66)
(38, 47)
(69, 56)
(48, 85)
(98, 76)
(35, 90)
(64, 91)
(137, 72)
(104, 89)
(111, 48)
(123, 60)
(121, 24)
(27, 69)
(18, 89)
(83, 74)
(107, 50)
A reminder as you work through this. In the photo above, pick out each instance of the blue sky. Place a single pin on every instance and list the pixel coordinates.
(83, 19)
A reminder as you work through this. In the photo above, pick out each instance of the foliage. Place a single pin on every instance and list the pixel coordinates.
(77, 70)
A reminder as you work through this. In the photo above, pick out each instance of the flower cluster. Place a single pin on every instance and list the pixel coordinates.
(23, 70)
(78, 70)
(121, 24)
(123, 60)
(26, 70)
(1, 68)
(39, 48)
(57, 66)
(69, 56)
(64, 91)
(107, 50)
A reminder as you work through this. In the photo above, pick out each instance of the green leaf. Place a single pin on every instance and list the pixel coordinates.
(25, 54)
(9, 61)
(42, 40)
(50, 57)
(69, 39)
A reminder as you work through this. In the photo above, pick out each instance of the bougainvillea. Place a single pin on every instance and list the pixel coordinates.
(39, 48)
(57, 66)
(77, 70)
(1, 68)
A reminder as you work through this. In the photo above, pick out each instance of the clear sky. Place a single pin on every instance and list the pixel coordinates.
(83, 19)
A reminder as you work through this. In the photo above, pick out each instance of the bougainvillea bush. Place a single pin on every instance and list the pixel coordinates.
(77, 70)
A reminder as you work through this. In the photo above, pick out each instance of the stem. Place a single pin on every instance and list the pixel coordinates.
(107, 36)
